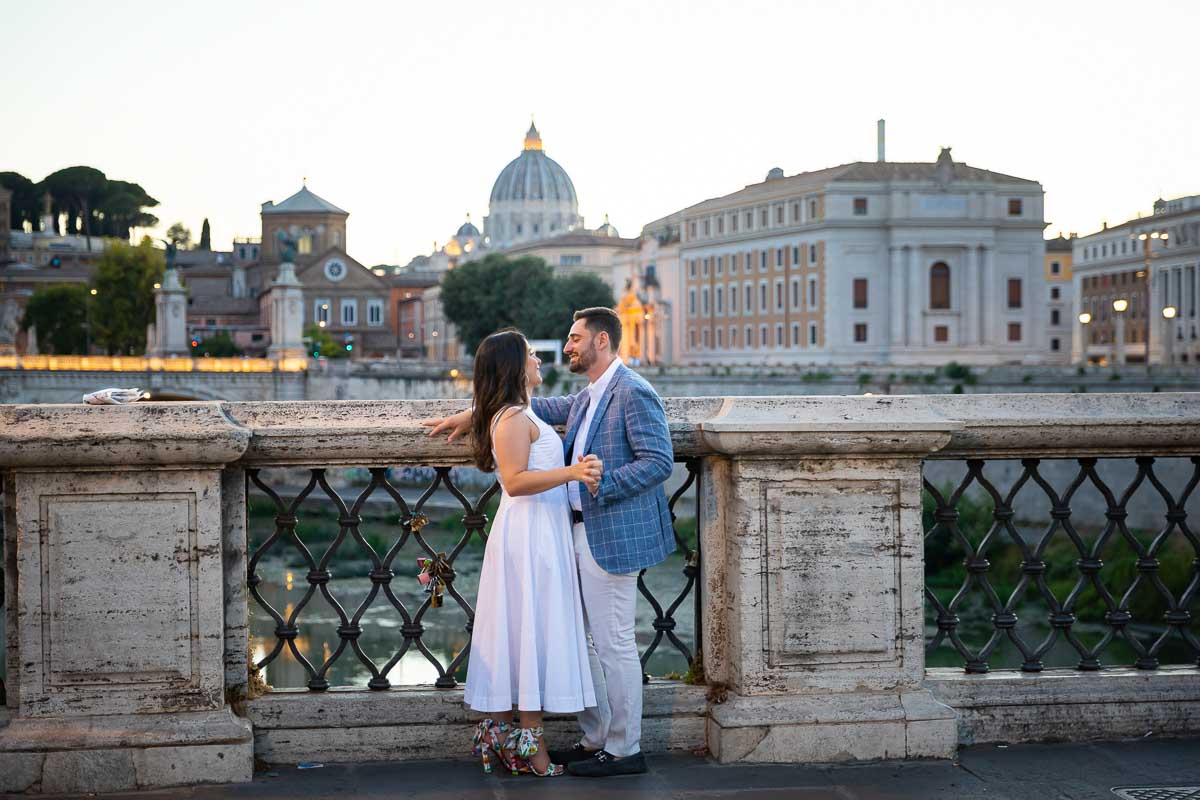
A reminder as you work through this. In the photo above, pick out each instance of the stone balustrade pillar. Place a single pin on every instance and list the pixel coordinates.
(813, 574)
(115, 607)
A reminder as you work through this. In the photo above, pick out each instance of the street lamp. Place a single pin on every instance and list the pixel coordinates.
(1083, 343)
(1119, 306)
(1169, 313)
(1146, 238)
(87, 325)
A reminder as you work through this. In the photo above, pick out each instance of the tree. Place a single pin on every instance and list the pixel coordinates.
(26, 200)
(483, 296)
(205, 236)
(218, 345)
(59, 314)
(179, 235)
(124, 301)
(321, 344)
(123, 209)
(76, 192)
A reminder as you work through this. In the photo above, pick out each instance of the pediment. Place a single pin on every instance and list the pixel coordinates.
(323, 271)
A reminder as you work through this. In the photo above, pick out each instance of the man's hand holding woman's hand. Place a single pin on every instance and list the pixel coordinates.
(588, 470)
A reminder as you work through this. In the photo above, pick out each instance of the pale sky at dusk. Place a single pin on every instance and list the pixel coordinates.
(403, 113)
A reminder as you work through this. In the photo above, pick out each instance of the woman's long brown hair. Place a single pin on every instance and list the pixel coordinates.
(499, 383)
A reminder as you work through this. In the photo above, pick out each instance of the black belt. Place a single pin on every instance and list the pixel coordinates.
(576, 517)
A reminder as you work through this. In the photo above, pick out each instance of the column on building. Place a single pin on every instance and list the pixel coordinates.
(1078, 330)
(896, 294)
(969, 329)
(916, 294)
(987, 320)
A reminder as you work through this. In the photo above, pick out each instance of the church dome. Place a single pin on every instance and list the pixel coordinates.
(533, 175)
(467, 229)
(607, 229)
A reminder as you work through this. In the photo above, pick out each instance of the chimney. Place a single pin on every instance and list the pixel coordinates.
(879, 141)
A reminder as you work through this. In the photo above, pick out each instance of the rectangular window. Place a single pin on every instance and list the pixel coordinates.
(375, 311)
(1054, 316)
(812, 214)
(691, 268)
(748, 306)
(570, 260)
(1014, 331)
(1055, 293)
(749, 220)
(721, 227)
(779, 295)
(860, 292)
(704, 301)
(749, 338)
(860, 206)
(720, 265)
(692, 338)
(1056, 267)
(778, 215)
(691, 302)
(762, 297)
(733, 334)
(795, 255)
(779, 336)
(349, 313)
(321, 310)
(762, 261)
(812, 333)
(692, 235)
(812, 253)
(762, 336)
(812, 294)
(795, 335)
(707, 228)
(941, 333)
(1054, 345)
(704, 268)
(733, 219)
(795, 212)
(1014, 206)
(733, 297)
(795, 294)
(720, 337)
(860, 332)
(704, 338)
(1014, 292)
(720, 301)
(778, 257)
(763, 220)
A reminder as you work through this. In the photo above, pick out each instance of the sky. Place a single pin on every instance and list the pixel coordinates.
(403, 113)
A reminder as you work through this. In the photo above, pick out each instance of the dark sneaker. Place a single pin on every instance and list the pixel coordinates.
(577, 753)
(603, 765)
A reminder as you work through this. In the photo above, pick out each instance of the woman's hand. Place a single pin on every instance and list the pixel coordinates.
(587, 470)
(458, 425)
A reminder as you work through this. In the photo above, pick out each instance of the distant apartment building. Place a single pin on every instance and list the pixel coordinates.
(870, 262)
(1145, 266)
(1060, 319)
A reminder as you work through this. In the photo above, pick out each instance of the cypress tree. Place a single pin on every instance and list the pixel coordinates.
(205, 236)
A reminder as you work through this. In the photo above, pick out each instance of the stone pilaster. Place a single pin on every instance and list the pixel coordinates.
(814, 573)
(170, 318)
(287, 315)
(118, 635)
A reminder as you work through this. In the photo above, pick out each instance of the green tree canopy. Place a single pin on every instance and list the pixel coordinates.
(180, 235)
(124, 302)
(483, 296)
(321, 343)
(217, 345)
(59, 314)
(77, 191)
(205, 236)
(26, 200)
(124, 208)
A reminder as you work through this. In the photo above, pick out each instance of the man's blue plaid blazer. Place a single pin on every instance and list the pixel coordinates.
(628, 522)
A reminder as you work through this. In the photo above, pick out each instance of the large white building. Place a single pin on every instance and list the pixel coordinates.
(1146, 265)
(870, 262)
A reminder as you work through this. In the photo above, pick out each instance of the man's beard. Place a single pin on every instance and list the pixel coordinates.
(584, 362)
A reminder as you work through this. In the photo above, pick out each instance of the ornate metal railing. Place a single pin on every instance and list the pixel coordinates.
(408, 540)
(1108, 590)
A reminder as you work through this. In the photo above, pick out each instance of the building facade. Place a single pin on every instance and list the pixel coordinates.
(1146, 266)
(873, 263)
(1060, 305)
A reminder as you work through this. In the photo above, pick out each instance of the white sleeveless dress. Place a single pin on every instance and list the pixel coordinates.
(527, 644)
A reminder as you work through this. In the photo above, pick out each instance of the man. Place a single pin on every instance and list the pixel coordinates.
(621, 529)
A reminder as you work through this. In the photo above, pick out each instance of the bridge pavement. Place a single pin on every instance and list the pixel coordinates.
(1019, 772)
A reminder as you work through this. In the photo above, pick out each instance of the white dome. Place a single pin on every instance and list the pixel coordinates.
(532, 198)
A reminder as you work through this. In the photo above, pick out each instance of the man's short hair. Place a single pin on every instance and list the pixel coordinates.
(604, 319)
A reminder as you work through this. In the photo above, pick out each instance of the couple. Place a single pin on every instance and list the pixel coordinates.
(578, 520)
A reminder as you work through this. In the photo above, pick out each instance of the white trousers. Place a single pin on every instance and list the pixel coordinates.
(609, 605)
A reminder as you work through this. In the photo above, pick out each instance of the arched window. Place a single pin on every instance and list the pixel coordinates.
(939, 286)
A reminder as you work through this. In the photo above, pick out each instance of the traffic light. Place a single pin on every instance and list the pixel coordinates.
(348, 338)
(195, 343)
(55, 262)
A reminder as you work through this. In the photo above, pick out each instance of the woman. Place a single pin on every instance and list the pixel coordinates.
(527, 646)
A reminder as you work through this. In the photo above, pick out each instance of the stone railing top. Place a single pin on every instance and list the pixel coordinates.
(389, 432)
(119, 436)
